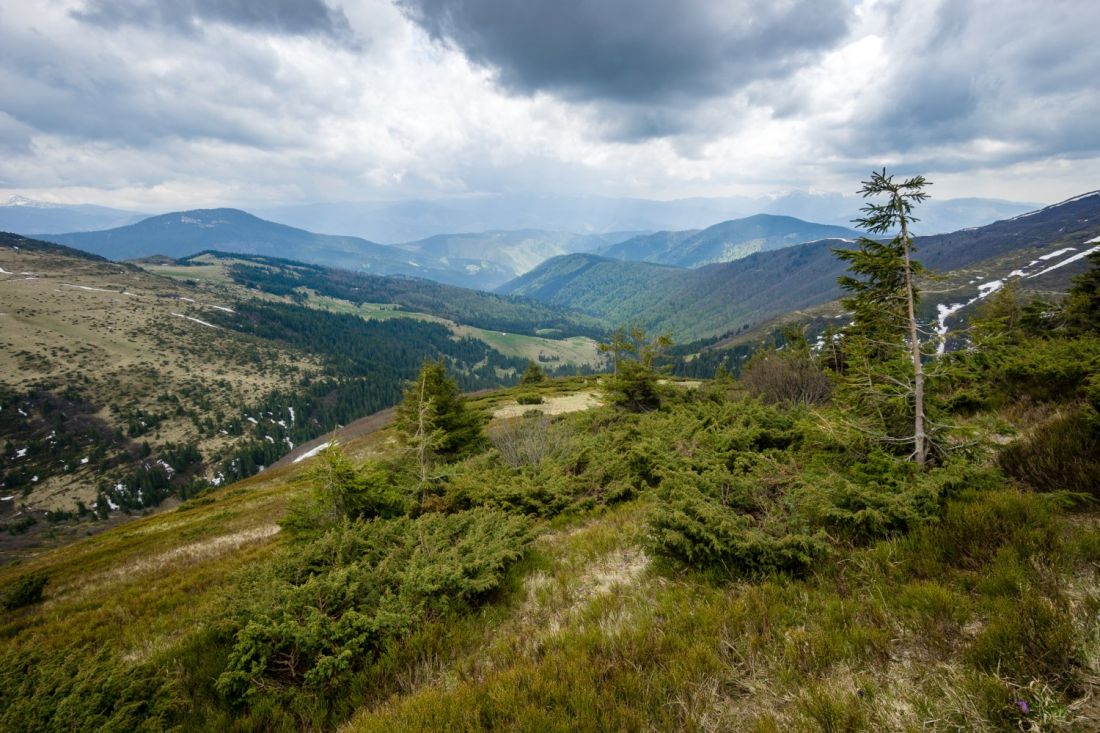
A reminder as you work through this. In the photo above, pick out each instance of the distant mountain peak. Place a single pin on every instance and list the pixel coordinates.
(29, 203)
(1070, 200)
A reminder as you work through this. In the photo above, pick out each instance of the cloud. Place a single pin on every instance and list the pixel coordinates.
(176, 104)
(646, 59)
(983, 81)
(286, 17)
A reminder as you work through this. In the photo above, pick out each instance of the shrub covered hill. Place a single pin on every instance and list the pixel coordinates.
(621, 553)
(122, 388)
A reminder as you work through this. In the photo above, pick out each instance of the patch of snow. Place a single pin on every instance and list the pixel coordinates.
(7, 498)
(269, 439)
(252, 420)
(224, 432)
(21, 411)
(281, 423)
(110, 504)
(413, 263)
(84, 460)
(85, 287)
(291, 409)
(1015, 273)
(167, 468)
(217, 480)
(1094, 240)
(5, 272)
(21, 453)
(311, 453)
(473, 268)
(223, 308)
(34, 479)
(1057, 253)
(196, 320)
(987, 289)
(943, 312)
(189, 300)
(1068, 260)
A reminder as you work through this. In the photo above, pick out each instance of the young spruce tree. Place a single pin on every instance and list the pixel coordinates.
(883, 296)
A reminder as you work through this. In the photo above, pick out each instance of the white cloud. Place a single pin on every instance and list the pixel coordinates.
(243, 112)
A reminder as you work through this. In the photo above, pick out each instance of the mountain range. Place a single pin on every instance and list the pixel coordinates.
(730, 297)
(27, 216)
(482, 260)
(724, 242)
(402, 221)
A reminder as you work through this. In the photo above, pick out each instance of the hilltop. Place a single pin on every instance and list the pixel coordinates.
(724, 242)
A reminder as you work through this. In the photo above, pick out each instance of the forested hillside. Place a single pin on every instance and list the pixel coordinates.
(723, 242)
(485, 310)
(123, 391)
(727, 298)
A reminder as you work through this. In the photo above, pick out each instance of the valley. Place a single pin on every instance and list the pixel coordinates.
(127, 389)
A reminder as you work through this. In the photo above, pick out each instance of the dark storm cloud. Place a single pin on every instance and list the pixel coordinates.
(1022, 75)
(288, 17)
(634, 51)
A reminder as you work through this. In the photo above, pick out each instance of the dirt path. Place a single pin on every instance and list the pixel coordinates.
(349, 432)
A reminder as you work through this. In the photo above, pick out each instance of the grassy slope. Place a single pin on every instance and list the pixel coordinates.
(116, 334)
(591, 634)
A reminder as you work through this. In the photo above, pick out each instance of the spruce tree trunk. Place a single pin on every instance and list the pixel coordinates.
(920, 449)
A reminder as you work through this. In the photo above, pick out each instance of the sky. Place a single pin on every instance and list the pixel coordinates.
(171, 104)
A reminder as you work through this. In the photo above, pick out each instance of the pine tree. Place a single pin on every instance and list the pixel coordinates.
(883, 298)
(435, 397)
(1082, 310)
(532, 375)
(633, 384)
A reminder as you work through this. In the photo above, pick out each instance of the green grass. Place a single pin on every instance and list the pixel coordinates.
(946, 625)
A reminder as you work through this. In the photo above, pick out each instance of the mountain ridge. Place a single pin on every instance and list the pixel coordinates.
(725, 241)
(729, 297)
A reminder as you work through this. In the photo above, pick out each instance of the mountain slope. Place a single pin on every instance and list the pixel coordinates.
(184, 233)
(26, 216)
(729, 297)
(724, 242)
(478, 260)
(121, 388)
(506, 254)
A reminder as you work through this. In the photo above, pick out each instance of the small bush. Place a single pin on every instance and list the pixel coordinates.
(1028, 638)
(25, 591)
(1062, 454)
(329, 607)
(789, 377)
(529, 399)
(696, 531)
(527, 442)
(976, 528)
